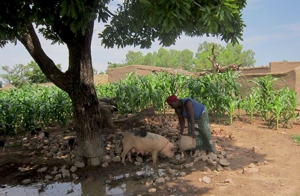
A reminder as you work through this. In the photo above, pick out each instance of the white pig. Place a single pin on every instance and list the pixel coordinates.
(146, 142)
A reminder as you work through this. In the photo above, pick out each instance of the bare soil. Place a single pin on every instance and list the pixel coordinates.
(263, 161)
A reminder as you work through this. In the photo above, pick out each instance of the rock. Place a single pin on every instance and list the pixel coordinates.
(251, 165)
(32, 153)
(107, 158)
(65, 173)
(212, 156)
(73, 168)
(105, 164)
(54, 170)
(211, 162)
(204, 158)
(256, 149)
(224, 162)
(79, 164)
(26, 181)
(42, 169)
(40, 146)
(250, 170)
(152, 190)
(48, 177)
(149, 182)
(75, 177)
(182, 174)
(228, 180)
(160, 180)
(206, 179)
(188, 165)
(57, 177)
(54, 149)
(139, 159)
(219, 168)
(116, 159)
(206, 169)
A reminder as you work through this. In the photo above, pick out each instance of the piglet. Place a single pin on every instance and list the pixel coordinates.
(146, 142)
(42, 135)
(2, 145)
(71, 143)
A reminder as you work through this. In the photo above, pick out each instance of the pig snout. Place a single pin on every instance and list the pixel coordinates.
(168, 150)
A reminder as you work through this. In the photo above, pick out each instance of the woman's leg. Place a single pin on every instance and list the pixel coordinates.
(203, 134)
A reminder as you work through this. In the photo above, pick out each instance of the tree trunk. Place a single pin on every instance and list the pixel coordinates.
(87, 117)
(87, 125)
(78, 82)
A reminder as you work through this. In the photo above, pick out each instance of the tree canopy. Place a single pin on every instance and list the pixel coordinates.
(185, 59)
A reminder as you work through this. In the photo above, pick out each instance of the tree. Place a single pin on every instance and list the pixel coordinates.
(138, 23)
(134, 58)
(15, 76)
(35, 75)
(149, 59)
(210, 55)
(21, 75)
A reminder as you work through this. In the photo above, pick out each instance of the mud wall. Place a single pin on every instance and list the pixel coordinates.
(100, 78)
(115, 74)
(254, 70)
(283, 66)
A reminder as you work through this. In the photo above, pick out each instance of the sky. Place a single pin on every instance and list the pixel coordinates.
(272, 32)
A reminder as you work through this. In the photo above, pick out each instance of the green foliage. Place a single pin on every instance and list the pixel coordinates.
(21, 75)
(296, 138)
(35, 74)
(140, 22)
(23, 109)
(15, 76)
(250, 103)
(230, 54)
(265, 87)
(185, 59)
(274, 106)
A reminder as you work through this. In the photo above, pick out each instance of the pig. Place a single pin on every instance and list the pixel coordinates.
(71, 143)
(42, 135)
(145, 142)
(2, 145)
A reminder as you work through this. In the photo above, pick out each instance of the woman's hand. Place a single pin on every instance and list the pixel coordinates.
(193, 134)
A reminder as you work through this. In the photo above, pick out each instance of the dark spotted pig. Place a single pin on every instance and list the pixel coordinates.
(145, 142)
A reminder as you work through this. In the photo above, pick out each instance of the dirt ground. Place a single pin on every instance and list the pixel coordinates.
(263, 162)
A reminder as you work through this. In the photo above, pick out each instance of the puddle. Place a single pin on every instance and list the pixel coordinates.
(119, 185)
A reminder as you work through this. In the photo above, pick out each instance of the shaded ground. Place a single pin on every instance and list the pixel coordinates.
(263, 161)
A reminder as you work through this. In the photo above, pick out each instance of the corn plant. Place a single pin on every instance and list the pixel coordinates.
(289, 102)
(24, 108)
(250, 103)
(231, 104)
(265, 85)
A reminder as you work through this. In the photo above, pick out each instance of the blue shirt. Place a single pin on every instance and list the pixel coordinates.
(198, 108)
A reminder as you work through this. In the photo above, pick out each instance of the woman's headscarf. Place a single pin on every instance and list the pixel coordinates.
(171, 99)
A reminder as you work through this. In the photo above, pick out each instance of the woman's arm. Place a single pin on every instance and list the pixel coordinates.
(190, 110)
(181, 121)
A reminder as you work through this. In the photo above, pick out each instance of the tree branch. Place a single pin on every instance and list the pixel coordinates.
(32, 44)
